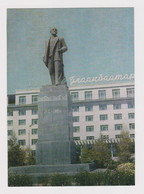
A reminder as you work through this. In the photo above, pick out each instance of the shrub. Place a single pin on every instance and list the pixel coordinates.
(126, 173)
(93, 179)
(109, 177)
(19, 180)
(44, 180)
(82, 178)
(97, 178)
(126, 167)
(113, 165)
(61, 180)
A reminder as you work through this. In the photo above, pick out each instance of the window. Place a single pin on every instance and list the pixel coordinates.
(131, 105)
(131, 125)
(116, 106)
(89, 137)
(103, 117)
(117, 116)
(88, 95)
(88, 108)
(103, 107)
(10, 113)
(34, 121)
(34, 131)
(34, 99)
(76, 129)
(22, 142)
(105, 137)
(21, 131)
(10, 132)
(116, 93)
(130, 92)
(76, 138)
(75, 96)
(89, 128)
(131, 115)
(118, 126)
(102, 94)
(10, 122)
(11, 99)
(75, 109)
(132, 135)
(34, 141)
(22, 122)
(34, 112)
(104, 127)
(76, 119)
(22, 112)
(89, 118)
(22, 100)
(117, 136)
(33, 152)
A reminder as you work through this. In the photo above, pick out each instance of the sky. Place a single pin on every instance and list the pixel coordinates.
(99, 40)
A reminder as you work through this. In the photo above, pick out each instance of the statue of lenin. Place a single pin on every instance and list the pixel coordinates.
(53, 58)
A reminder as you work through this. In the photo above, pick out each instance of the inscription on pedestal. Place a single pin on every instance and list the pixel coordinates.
(52, 98)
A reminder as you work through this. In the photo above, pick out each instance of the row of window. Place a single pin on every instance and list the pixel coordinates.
(23, 122)
(22, 99)
(76, 109)
(102, 107)
(23, 112)
(103, 117)
(88, 95)
(102, 94)
(76, 129)
(22, 142)
(102, 136)
(23, 132)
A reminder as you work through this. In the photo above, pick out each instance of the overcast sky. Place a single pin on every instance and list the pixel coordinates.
(100, 41)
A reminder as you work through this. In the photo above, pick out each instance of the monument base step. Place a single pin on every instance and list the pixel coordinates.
(42, 170)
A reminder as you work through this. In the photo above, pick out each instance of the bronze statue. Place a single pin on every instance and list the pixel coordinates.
(53, 59)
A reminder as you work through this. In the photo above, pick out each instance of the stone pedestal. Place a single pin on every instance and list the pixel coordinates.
(43, 170)
(55, 136)
(55, 151)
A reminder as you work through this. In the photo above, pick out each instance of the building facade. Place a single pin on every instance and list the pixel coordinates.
(98, 110)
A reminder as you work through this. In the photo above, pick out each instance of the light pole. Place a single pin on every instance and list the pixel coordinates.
(112, 150)
(29, 135)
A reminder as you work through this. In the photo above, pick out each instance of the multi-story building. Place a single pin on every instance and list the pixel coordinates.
(98, 110)
(23, 117)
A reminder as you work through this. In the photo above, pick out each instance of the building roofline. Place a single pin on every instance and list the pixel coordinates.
(78, 87)
(27, 91)
(98, 86)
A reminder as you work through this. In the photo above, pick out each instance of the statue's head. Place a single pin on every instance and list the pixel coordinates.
(53, 31)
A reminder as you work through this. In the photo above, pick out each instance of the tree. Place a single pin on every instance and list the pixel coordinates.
(86, 156)
(16, 155)
(29, 157)
(125, 147)
(99, 153)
